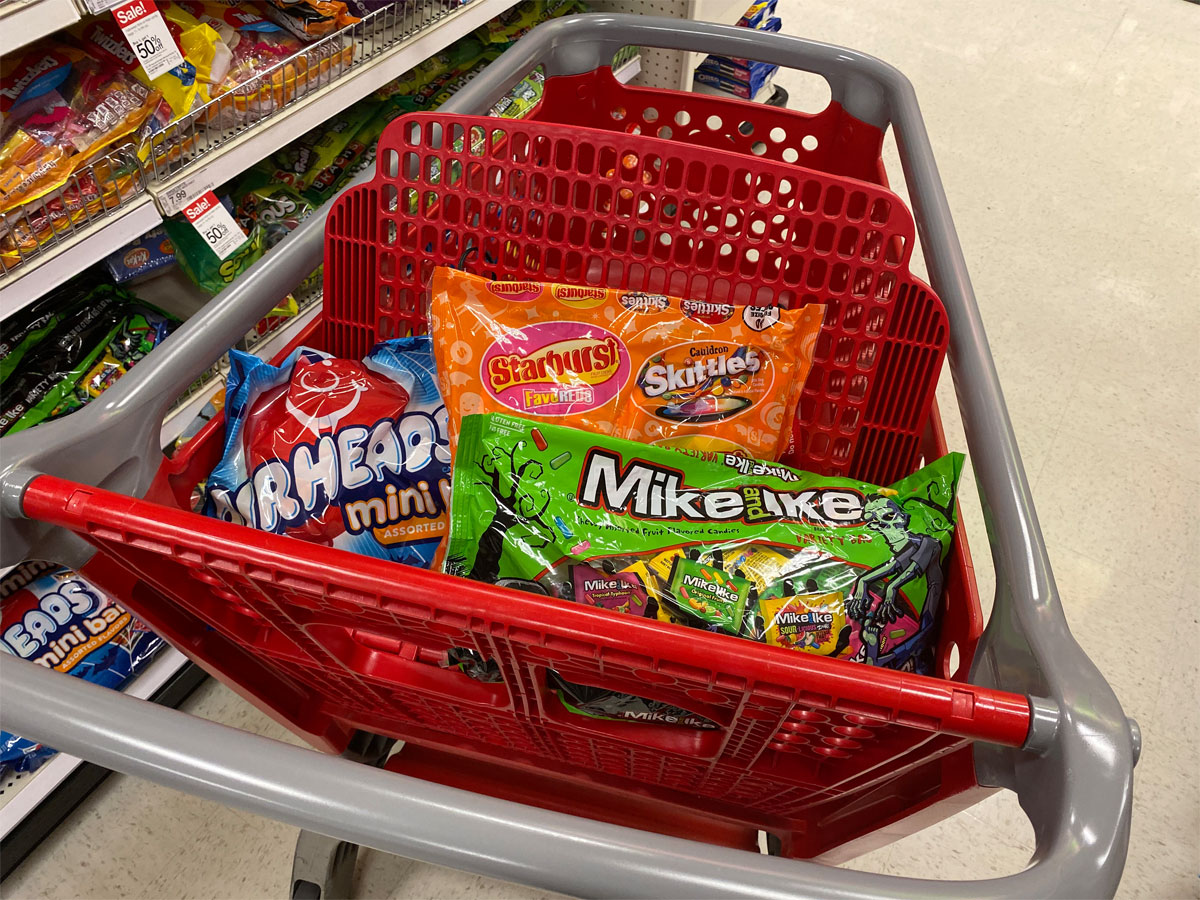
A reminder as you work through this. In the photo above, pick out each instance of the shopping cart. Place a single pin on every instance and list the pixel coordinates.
(339, 648)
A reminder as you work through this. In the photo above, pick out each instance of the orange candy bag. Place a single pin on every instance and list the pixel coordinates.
(696, 376)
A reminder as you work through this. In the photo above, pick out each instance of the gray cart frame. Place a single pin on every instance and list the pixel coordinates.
(1073, 777)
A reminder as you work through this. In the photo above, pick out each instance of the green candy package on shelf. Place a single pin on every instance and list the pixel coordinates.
(67, 351)
(266, 212)
(523, 98)
(712, 541)
(459, 56)
(298, 163)
(524, 17)
(202, 265)
(334, 176)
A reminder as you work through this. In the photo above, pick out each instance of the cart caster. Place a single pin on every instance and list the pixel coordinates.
(323, 867)
(774, 845)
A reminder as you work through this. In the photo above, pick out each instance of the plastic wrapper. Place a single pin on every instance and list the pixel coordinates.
(25, 328)
(201, 264)
(310, 20)
(273, 210)
(185, 87)
(679, 373)
(86, 350)
(726, 544)
(524, 97)
(515, 23)
(266, 67)
(299, 163)
(338, 452)
(328, 180)
(63, 112)
(148, 256)
(57, 619)
(458, 57)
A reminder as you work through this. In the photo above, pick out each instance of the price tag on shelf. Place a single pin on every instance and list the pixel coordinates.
(146, 31)
(174, 197)
(215, 224)
(95, 7)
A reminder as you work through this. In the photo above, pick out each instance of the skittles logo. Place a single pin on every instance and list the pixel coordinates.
(555, 368)
(703, 381)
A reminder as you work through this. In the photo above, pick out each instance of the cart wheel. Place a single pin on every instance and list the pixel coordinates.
(774, 845)
(323, 867)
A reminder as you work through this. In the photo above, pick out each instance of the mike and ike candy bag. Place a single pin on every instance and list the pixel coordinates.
(344, 453)
(719, 543)
(690, 375)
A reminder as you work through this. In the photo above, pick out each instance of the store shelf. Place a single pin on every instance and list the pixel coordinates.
(20, 793)
(383, 47)
(24, 21)
(628, 71)
(216, 156)
(69, 256)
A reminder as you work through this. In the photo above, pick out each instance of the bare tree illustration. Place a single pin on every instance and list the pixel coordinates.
(521, 501)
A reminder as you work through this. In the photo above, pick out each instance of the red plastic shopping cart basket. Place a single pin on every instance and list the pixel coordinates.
(817, 752)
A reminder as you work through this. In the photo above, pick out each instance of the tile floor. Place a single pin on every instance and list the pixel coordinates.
(1066, 132)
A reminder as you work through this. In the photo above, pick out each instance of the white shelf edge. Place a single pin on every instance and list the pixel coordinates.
(629, 70)
(257, 143)
(55, 770)
(55, 264)
(24, 21)
(180, 418)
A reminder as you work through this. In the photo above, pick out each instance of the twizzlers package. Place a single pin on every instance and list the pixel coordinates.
(342, 453)
(695, 376)
(823, 565)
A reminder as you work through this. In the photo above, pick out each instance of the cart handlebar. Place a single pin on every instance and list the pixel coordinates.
(422, 820)
(1075, 777)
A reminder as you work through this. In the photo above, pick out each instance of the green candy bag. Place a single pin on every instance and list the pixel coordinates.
(718, 542)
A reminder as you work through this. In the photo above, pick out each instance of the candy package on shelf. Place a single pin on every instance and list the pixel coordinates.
(310, 20)
(267, 64)
(343, 453)
(68, 353)
(57, 619)
(515, 23)
(673, 372)
(69, 125)
(297, 164)
(525, 95)
(717, 542)
(459, 56)
(148, 256)
(185, 87)
(201, 264)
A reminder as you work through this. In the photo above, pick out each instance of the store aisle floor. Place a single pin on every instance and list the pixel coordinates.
(1066, 131)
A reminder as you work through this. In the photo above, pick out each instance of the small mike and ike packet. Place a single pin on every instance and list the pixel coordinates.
(715, 542)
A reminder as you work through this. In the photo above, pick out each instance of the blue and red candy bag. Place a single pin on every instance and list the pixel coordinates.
(61, 621)
(338, 452)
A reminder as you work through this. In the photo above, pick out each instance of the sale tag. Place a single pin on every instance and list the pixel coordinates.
(215, 224)
(173, 198)
(146, 31)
